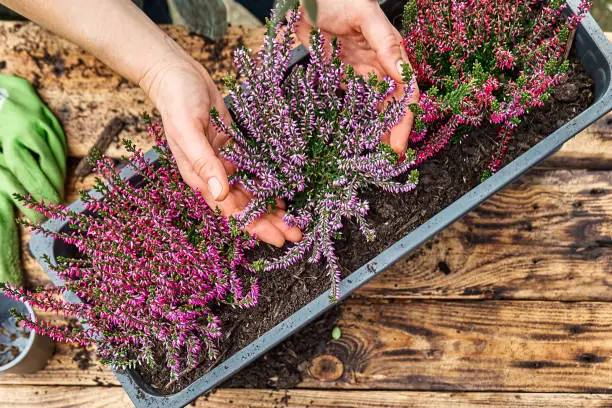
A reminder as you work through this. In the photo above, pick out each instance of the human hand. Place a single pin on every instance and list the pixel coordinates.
(183, 92)
(368, 42)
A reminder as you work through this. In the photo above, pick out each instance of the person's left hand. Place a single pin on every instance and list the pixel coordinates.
(183, 92)
(368, 42)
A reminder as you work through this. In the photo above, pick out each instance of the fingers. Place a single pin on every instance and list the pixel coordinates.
(384, 39)
(185, 169)
(265, 231)
(217, 139)
(400, 134)
(302, 31)
(281, 204)
(272, 229)
(211, 170)
(292, 234)
(364, 61)
(269, 228)
(196, 156)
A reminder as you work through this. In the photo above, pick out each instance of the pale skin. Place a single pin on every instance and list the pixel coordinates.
(124, 38)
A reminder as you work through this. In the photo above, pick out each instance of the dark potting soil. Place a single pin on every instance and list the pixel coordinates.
(444, 178)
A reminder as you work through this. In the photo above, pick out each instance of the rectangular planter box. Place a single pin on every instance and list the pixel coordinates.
(596, 55)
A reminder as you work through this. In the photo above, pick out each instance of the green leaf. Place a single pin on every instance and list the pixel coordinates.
(407, 73)
(409, 16)
(310, 7)
(389, 154)
(259, 265)
(147, 119)
(230, 81)
(214, 113)
(279, 13)
(485, 175)
(414, 176)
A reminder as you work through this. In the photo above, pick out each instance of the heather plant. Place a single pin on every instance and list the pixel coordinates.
(155, 264)
(480, 61)
(312, 137)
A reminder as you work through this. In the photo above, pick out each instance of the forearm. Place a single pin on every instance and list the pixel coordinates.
(115, 31)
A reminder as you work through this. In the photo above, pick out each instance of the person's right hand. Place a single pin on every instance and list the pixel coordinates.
(368, 42)
(183, 92)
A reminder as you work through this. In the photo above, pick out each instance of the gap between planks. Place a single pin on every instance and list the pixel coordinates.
(590, 150)
(92, 397)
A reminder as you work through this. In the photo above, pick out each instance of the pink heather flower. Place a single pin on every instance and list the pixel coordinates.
(504, 59)
(483, 60)
(155, 264)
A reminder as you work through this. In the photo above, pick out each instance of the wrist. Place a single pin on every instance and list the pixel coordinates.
(171, 59)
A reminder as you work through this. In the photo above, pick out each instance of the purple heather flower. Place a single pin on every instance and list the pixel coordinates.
(312, 137)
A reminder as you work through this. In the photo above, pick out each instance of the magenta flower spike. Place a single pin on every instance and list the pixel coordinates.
(480, 61)
(155, 264)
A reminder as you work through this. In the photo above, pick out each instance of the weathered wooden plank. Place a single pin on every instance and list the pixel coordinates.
(528, 346)
(63, 397)
(86, 95)
(469, 346)
(596, 140)
(91, 397)
(370, 399)
(590, 149)
(450, 268)
(549, 340)
(70, 365)
(558, 199)
(545, 237)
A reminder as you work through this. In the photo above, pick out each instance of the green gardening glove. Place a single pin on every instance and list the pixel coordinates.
(32, 161)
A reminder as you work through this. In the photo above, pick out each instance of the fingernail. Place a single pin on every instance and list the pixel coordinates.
(214, 187)
(402, 157)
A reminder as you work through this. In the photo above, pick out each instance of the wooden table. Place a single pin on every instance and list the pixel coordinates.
(509, 306)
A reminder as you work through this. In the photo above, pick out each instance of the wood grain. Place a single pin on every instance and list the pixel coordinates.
(590, 149)
(449, 268)
(94, 397)
(63, 370)
(472, 346)
(596, 139)
(548, 237)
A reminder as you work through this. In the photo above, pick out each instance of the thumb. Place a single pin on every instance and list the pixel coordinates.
(196, 157)
(385, 40)
(210, 169)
